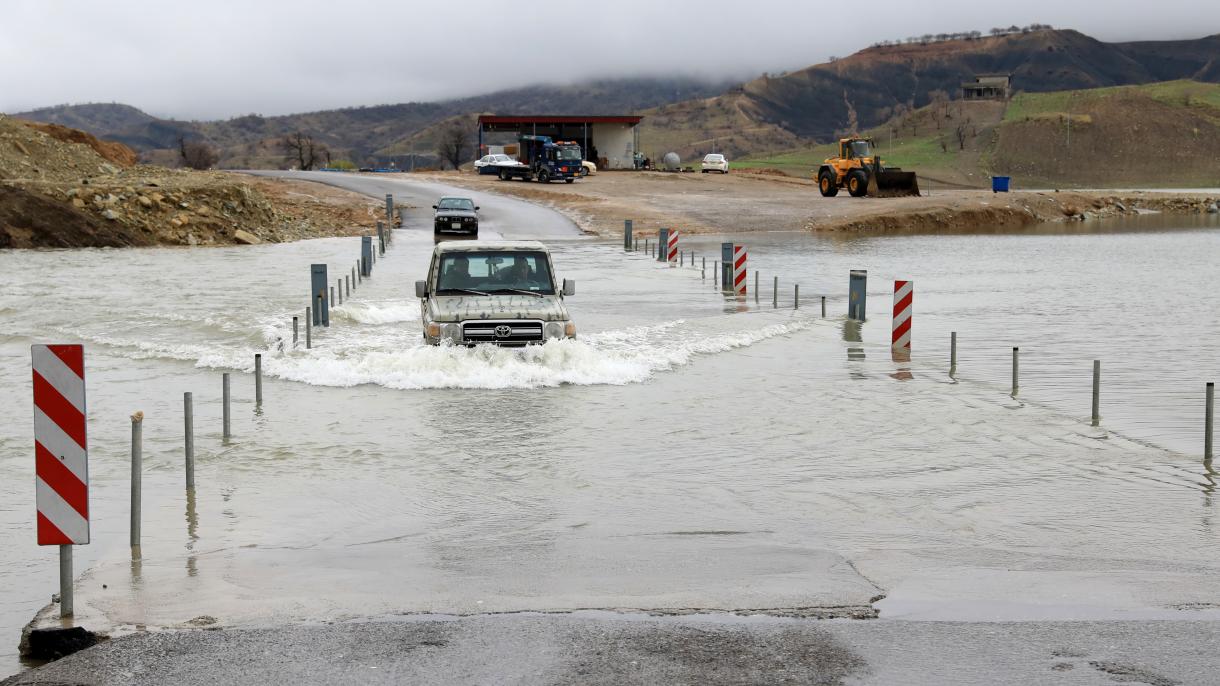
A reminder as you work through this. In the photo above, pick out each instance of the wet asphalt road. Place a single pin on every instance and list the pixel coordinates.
(500, 217)
(602, 648)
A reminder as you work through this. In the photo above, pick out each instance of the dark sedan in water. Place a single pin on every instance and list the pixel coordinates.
(458, 216)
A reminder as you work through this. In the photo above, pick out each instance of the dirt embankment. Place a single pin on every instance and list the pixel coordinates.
(697, 203)
(63, 188)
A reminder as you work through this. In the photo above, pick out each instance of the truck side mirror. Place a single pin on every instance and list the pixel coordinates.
(476, 207)
(421, 289)
(569, 287)
(434, 207)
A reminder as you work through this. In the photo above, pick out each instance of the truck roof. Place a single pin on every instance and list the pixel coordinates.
(483, 246)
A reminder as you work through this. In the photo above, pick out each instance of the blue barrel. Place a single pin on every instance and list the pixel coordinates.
(999, 184)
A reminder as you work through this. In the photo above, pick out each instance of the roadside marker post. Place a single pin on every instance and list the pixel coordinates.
(61, 456)
(726, 267)
(672, 252)
(318, 282)
(381, 237)
(662, 253)
(366, 256)
(627, 227)
(739, 269)
(1096, 418)
(389, 209)
(857, 294)
(904, 300)
(137, 479)
(1209, 423)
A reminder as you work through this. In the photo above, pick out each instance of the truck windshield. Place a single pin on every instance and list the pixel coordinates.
(496, 271)
(569, 152)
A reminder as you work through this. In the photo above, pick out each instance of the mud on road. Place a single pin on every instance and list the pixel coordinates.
(743, 202)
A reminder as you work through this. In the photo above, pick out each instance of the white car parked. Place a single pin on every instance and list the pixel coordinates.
(487, 163)
(715, 162)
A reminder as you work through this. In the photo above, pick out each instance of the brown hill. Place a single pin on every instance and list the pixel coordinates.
(116, 153)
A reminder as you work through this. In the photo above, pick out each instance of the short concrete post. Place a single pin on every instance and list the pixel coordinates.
(627, 239)
(308, 329)
(224, 382)
(775, 292)
(389, 207)
(1015, 365)
(857, 294)
(320, 308)
(332, 294)
(188, 421)
(296, 331)
(380, 238)
(796, 295)
(952, 353)
(137, 477)
(1096, 392)
(681, 258)
(716, 275)
(756, 285)
(339, 298)
(635, 245)
(704, 268)
(648, 246)
(823, 307)
(258, 378)
(65, 581)
(347, 285)
(1208, 421)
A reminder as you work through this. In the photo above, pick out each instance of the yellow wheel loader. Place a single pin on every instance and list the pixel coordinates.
(859, 170)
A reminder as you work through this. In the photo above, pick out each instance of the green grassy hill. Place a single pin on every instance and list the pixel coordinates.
(1160, 134)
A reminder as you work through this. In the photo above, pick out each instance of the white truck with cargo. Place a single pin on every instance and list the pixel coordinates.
(500, 293)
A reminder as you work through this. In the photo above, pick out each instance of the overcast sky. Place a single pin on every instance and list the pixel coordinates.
(219, 58)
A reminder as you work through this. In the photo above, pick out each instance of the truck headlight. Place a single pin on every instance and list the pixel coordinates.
(452, 332)
(554, 330)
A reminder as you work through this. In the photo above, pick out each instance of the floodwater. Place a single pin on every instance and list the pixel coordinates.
(687, 451)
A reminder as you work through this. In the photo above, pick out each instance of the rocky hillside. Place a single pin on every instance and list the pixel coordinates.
(868, 88)
(57, 190)
(362, 134)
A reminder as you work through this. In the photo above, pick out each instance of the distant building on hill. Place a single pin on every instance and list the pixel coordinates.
(987, 87)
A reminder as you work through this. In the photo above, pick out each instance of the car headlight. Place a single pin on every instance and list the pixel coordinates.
(554, 330)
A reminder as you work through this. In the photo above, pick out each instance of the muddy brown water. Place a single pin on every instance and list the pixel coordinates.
(687, 451)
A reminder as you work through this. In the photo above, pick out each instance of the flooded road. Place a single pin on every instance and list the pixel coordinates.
(685, 452)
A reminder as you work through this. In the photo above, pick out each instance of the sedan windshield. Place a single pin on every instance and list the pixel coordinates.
(498, 271)
(455, 204)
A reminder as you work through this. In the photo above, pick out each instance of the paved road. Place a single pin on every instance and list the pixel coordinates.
(500, 217)
(602, 648)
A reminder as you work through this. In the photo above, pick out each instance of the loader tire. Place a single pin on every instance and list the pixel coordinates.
(827, 185)
(857, 183)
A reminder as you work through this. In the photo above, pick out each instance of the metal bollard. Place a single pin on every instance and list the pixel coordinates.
(347, 285)
(295, 331)
(681, 258)
(355, 276)
(952, 353)
(775, 292)
(823, 307)
(704, 268)
(1015, 353)
(137, 476)
(755, 285)
(339, 299)
(65, 580)
(332, 294)
(1208, 423)
(627, 226)
(224, 382)
(308, 329)
(1096, 392)
(796, 295)
(258, 378)
(188, 420)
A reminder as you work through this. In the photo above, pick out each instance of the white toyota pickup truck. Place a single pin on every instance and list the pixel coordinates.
(493, 292)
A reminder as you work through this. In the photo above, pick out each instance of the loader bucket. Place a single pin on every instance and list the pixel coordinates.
(893, 183)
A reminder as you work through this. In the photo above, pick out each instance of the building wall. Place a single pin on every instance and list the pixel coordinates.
(615, 142)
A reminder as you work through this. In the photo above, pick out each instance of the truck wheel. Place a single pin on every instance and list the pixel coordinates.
(543, 176)
(857, 183)
(826, 184)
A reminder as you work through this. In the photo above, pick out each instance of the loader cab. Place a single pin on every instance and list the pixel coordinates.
(855, 149)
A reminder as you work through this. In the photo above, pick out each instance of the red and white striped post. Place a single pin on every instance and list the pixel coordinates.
(739, 269)
(904, 297)
(671, 252)
(61, 457)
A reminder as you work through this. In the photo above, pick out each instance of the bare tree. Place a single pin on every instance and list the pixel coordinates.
(454, 144)
(853, 122)
(940, 105)
(196, 154)
(301, 148)
(961, 131)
